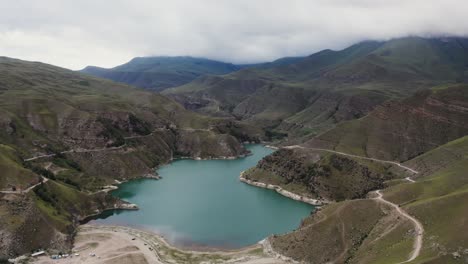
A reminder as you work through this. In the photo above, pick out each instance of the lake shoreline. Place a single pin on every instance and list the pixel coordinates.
(192, 247)
(282, 191)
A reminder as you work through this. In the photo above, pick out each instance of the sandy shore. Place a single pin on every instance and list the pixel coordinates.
(119, 245)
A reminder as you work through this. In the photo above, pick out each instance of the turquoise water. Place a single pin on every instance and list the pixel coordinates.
(203, 203)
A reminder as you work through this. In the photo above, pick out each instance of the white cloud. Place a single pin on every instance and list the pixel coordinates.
(74, 34)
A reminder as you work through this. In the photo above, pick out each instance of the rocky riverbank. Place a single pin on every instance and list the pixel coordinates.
(214, 158)
(283, 192)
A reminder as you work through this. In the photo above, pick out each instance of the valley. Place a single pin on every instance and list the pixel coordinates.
(370, 141)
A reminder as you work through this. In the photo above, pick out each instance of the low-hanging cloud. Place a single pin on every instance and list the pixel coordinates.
(74, 34)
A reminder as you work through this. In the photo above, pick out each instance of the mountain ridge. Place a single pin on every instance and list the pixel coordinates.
(328, 82)
(157, 73)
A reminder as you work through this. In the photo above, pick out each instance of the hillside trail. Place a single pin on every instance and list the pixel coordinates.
(76, 151)
(110, 148)
(417, 245)
(355, 156)
(44, 180)
(343, 241)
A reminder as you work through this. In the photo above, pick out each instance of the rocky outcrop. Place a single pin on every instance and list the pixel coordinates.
(320, 176)
(206, 144)
(25, 228)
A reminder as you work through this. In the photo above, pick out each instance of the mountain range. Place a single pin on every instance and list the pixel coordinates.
(318, 91)
(160, 73)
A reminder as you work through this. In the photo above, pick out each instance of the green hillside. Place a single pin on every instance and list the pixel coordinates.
(429, 131)
(366, 231)
(81, 133)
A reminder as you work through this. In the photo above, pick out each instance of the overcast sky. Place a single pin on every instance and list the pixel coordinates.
(74, 34)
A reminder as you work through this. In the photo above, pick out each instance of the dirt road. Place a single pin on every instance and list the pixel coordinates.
(417, 226)
(355, 156)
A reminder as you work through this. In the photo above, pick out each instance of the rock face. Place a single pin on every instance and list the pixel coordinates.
(26, 226)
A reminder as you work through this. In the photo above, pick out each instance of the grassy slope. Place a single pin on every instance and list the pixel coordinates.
(402, 130)
(439, 199)
(333, 234)
(13, 171)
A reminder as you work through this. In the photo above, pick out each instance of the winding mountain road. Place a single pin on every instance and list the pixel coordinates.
(355, 156)
(417, 226)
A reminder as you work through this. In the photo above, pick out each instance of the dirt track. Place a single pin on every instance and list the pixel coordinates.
(417, 226)
(355, 156)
